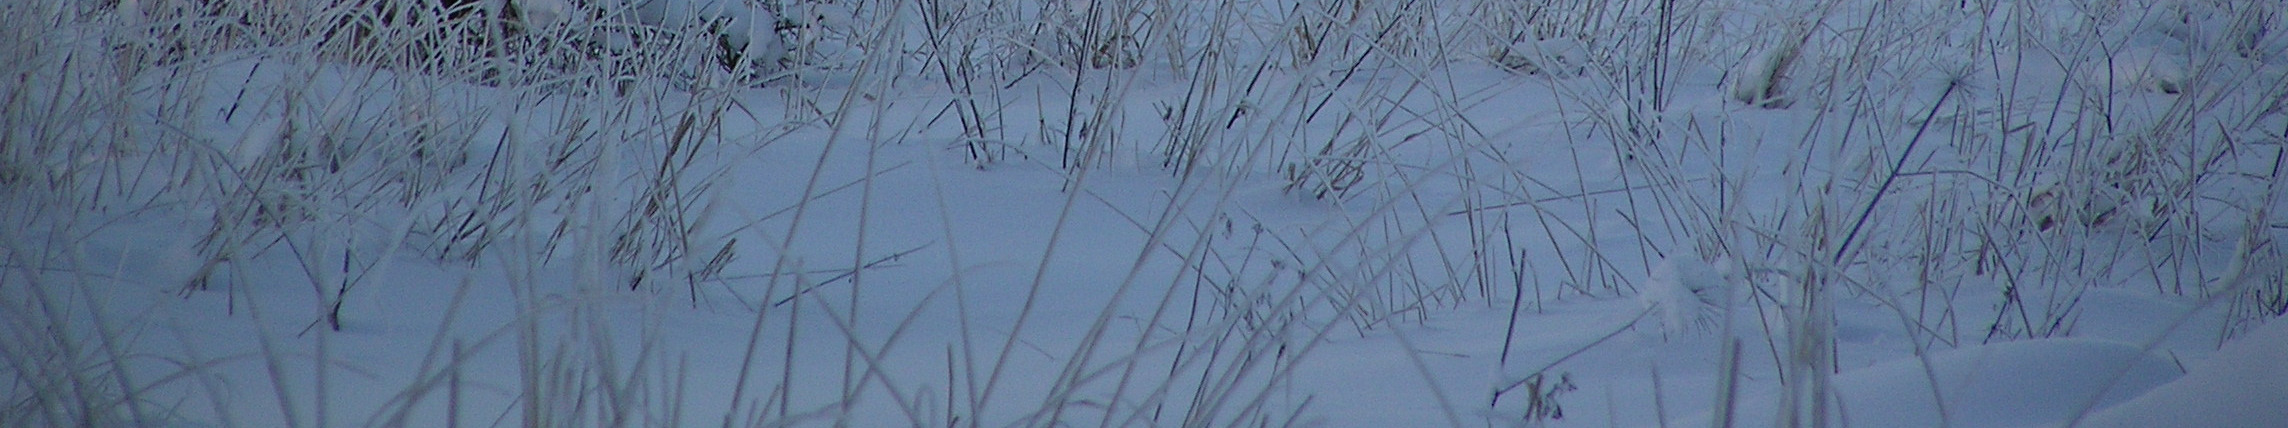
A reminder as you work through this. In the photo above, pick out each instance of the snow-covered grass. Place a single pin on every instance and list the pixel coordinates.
(1140, 212)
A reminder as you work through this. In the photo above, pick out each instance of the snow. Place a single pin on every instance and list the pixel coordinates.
(1686, 293)
(544, 13)
(2242, 385)
(259, 140)
(1474, 219)
(2029, 383)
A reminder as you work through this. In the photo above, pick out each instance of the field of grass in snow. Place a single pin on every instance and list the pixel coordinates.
(991, 213)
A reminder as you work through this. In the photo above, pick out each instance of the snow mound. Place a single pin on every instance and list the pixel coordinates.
(2027, 383)
(2243, 385)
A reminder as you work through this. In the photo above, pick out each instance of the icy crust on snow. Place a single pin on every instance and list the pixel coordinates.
(2243, 385)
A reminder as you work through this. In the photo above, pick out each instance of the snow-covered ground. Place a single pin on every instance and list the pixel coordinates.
(1143, 213)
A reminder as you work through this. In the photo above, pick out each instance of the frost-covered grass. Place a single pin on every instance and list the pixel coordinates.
(1138, 212)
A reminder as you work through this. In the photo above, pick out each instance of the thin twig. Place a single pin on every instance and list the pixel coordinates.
(1575, 196)
(846, 273)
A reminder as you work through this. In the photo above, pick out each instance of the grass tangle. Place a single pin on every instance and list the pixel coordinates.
(546, 213)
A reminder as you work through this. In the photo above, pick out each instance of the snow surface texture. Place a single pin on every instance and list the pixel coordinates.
(1655, 213)
(2241, 385)
(2028, 383)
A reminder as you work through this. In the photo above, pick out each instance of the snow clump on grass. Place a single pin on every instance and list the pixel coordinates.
(1685, 294)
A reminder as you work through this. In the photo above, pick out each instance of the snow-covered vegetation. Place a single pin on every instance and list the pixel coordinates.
(323, 213)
